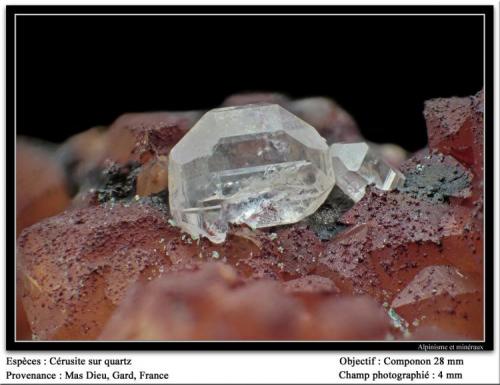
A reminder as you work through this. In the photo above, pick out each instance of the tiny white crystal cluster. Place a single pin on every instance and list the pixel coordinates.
(257, 164)
(357, 165)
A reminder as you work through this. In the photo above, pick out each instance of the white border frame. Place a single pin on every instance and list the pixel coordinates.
(253, 341)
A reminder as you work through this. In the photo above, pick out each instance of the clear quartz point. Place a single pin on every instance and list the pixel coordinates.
(256, 164)
(356, 165)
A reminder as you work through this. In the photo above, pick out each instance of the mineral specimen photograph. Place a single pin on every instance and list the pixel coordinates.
(254, 182)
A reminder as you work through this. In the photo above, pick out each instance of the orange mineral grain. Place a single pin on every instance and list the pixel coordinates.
(153, 177)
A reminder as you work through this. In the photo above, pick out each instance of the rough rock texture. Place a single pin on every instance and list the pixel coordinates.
(435, 219)
(140, 136)
(325, 221)
(392, 236)
(311, 284)
(436, 177)
(41, 191)
(118, 182)
(414, 254)
(443, 297)
(137, 137)
(455, 127)
(288, 253)
(213, 304)
(76, 267)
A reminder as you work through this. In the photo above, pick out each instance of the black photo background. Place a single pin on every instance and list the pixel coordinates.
(80, 71)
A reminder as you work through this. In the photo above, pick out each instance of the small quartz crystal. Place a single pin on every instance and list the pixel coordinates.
(256, 164)
(357, 165)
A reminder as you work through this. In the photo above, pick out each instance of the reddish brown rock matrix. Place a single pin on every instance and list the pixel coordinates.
(41, 191)
(76, 267)
(415, 254)
(214, 304)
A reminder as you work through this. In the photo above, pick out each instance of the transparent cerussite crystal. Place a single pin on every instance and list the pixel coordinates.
(257, 164)
(356, 165)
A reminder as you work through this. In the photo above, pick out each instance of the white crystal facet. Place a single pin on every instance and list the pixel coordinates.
(256, 164)
(356, 165)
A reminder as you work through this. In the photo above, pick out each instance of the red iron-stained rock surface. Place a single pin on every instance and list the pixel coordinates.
(143, 135)
(401, 264)
(41, 189)
(444, 297)
(214, 304)
(76, 267)
(455, 127)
